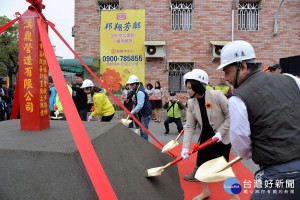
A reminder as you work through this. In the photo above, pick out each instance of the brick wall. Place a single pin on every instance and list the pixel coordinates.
(211, 21)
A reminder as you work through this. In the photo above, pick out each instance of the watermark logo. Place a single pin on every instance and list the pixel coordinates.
(232, 186)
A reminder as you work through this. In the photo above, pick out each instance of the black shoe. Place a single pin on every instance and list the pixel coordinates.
(191, 177)
(166, 133)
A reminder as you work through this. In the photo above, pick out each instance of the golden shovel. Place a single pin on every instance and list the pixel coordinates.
(126, 121)
(158, 170)
(172, 144)
(56, 117)
(216, 170)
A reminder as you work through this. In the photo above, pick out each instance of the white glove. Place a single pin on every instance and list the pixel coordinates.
(218, 135)
(56, 113)
(184, 153)
(90, 117)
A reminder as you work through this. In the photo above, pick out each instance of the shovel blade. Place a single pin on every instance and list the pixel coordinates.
(207, 171)
(170, 145)
(154, 171)
(125, 121)
(56, 117)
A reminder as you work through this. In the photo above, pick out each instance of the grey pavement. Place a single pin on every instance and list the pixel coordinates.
(158, 129)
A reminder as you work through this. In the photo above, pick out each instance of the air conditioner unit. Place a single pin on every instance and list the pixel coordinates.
(217, 47)
(155, 49)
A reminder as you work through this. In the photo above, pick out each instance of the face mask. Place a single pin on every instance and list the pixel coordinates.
(172, 97)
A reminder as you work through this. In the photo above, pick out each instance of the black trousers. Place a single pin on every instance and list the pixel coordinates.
(2, 115)
(171, 120)
(107, 118)
(82, 113)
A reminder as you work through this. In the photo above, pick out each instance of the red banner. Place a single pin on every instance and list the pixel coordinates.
(33, 75)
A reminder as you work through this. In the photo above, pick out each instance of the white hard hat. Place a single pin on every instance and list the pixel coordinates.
(236, 51)
(185, 77)
(133, 79)
(198, 75)
(87, 83)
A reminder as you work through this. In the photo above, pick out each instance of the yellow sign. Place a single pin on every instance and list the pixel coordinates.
(122, 50)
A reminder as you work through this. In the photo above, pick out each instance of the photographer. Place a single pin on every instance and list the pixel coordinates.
(174, 107)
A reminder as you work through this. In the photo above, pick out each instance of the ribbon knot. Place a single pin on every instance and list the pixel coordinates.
(37, 4)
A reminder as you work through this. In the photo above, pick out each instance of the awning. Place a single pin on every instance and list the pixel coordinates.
(75, 66)
(155, 43)
(73, 69)
(219, 42)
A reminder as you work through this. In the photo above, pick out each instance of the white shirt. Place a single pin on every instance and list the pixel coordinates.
(240, 126)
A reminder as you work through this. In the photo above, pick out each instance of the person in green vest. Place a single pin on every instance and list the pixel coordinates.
(209, 87)
(58, 105)
(174, 107)
(226, 89)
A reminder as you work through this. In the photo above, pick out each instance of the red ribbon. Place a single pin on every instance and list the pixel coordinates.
(7, 25)
(106, 88)
(37, 4)
(89, 157)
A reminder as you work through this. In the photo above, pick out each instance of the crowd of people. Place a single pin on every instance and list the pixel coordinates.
(255, 112)
(87, 99)
(260, 120)
(258, 117)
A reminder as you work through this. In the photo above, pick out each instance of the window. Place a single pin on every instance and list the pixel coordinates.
(176, 73)
(248, 14)
(181, 15)
(108, 6)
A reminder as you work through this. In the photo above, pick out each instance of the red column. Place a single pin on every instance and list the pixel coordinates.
(33, 75)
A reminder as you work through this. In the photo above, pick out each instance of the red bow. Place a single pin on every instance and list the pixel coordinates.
(37, 4)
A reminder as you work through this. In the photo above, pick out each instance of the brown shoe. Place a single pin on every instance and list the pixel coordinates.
(191, 177)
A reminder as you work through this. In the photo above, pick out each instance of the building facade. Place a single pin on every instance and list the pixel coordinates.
(194, 31)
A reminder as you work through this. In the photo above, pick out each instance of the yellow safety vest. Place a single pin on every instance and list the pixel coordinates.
(174, 111)
(208, 87)
(224, 89)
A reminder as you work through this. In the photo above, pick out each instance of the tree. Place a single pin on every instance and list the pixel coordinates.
(9, 50)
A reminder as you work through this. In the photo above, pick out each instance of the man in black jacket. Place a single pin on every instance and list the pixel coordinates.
(80, 97)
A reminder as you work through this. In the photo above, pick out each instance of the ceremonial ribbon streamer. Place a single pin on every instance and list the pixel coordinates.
(7, 25)
(93, 166)
(106, 88)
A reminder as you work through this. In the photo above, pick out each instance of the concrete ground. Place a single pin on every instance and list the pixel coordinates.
(158, 129)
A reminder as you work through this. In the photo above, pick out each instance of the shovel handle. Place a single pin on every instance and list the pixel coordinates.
(205, 144)
(237, 159)
(208, 142)
(180, 134)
